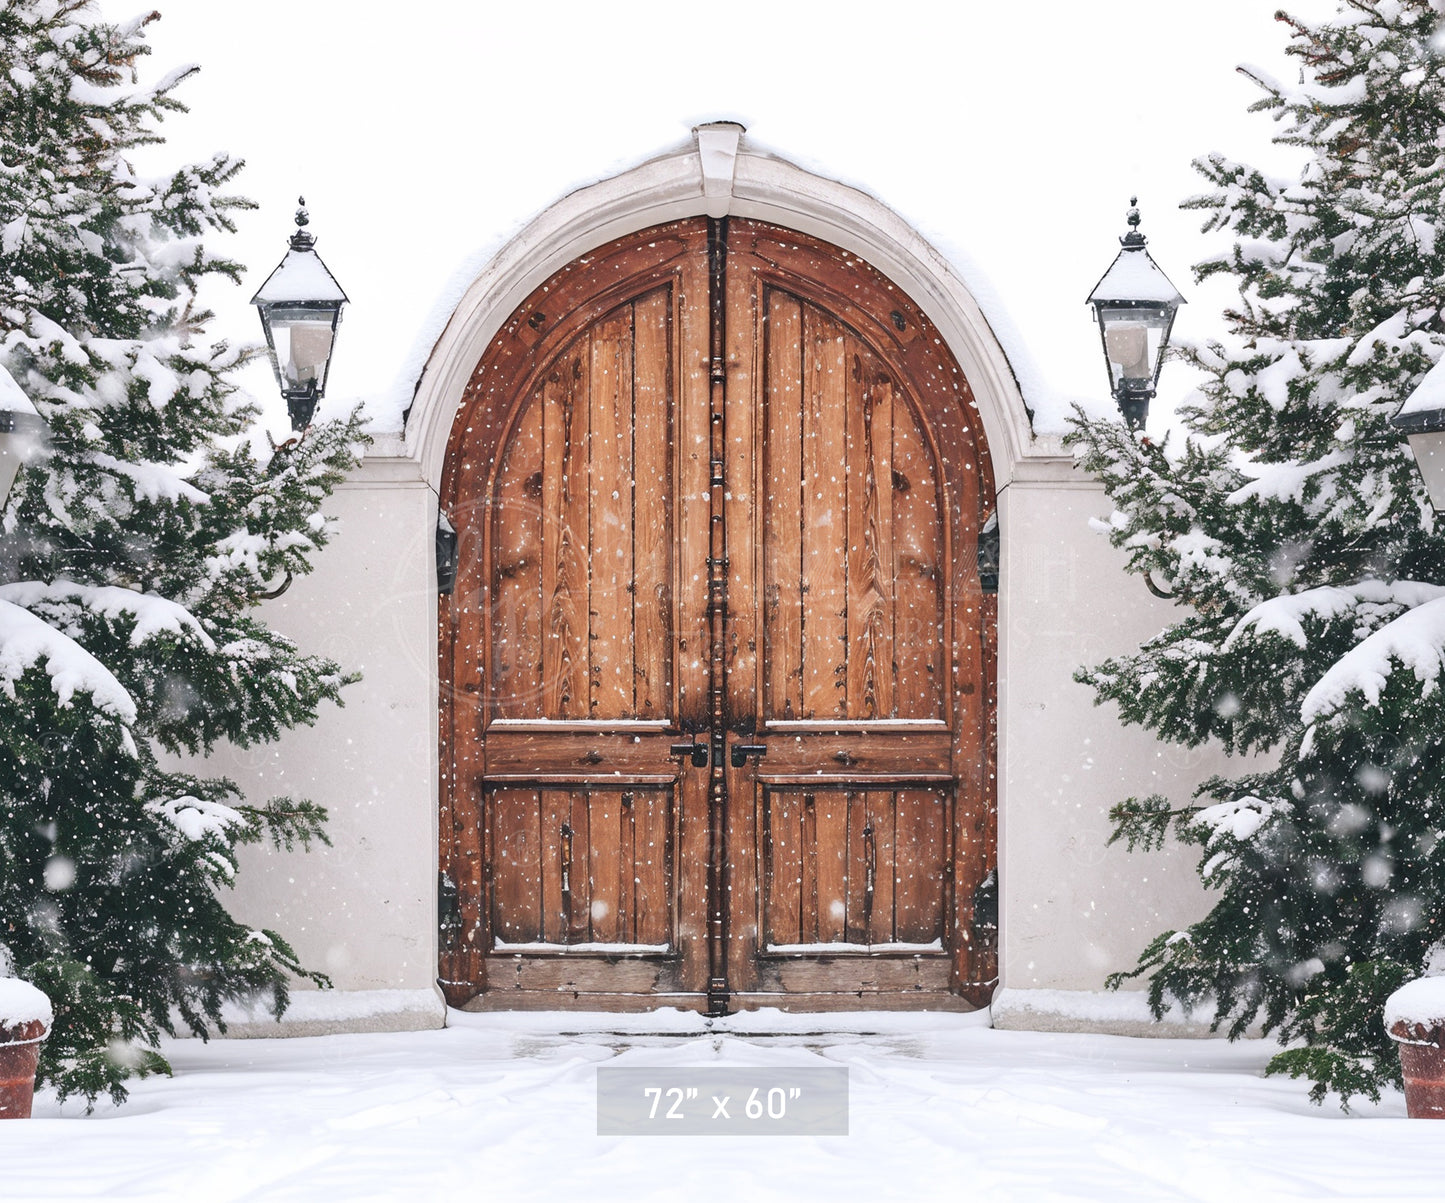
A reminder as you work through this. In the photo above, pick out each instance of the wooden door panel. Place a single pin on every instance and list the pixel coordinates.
(517, 615)
(580, 870)
(650, 596)
(854, 705)
(854, 871)
(921, 833)
(581, 616)
(852, 531)
(828, 752)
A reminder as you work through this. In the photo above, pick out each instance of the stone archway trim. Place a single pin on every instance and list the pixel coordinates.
(716, 174)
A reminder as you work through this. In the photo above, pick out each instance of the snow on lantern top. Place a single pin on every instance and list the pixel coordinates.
(1135, 305)
(300, 306)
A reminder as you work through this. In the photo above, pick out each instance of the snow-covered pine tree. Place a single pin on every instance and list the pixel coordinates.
(134, 559)
(1307, 564)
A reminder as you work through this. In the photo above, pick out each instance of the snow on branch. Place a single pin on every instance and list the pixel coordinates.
(196, 818)
(1285, 615)
(26, 641)
(153, 615)
(1415, 640)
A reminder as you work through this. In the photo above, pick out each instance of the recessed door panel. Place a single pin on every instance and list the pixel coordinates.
(852, 534)
(584, 869)
(581, 588)
(854, 871)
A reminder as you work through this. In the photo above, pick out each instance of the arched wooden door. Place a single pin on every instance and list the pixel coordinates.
(717, 674)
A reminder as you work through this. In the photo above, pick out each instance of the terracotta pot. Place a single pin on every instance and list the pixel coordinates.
(1422, 1057)
(19, 1054)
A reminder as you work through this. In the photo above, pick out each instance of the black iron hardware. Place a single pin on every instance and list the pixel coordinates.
(985, 910)
(446, 547)
(697, 751)
(741, 752)
(988, 552)
(870, 874)
(565, 850)
(449, 911)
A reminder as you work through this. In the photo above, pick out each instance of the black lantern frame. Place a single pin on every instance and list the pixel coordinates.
(1425, 430)
(301, 302)
(1135, 305)
(24, 434)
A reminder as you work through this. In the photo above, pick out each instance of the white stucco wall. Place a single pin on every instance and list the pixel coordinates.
(362, 911)
(1072, 908)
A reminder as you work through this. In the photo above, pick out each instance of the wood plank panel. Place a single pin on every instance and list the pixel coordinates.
(825, 521)
(517, 573)
(869, 538)
(808, 857)
(607, 869)
(857, 752)
(783, 519)
(921, 856)
(918, 572)
(855, 866)
(565, 657)
(830, 811)
(881, 975)
(609, 493)
(514, 823)
(652, 530)
(651, 867)
(883, 817)
(539, 751)
(571, 972)
(782, 901)
(556, 812)
(577, 907)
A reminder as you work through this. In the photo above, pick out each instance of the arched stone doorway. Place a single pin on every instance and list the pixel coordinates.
(717, 679)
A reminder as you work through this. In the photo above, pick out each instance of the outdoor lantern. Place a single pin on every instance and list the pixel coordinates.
(1422, 420)
(1135, 305)
(300, 307)
(22, 433)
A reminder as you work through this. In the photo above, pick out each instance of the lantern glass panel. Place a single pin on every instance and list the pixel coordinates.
(22, 441)
(1133, 339)
(302, 339)
(1429, 449)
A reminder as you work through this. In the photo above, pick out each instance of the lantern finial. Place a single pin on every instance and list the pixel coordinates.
(1133, 238)
(303, 239)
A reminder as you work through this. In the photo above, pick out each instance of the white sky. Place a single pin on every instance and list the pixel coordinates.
(1010, 136)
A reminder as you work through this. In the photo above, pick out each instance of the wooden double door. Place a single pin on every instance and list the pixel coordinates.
(717, 680)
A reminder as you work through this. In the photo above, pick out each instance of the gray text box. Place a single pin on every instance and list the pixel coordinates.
(676, 1101)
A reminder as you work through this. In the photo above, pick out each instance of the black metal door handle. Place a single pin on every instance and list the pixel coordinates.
(741, 752)
(697, 750)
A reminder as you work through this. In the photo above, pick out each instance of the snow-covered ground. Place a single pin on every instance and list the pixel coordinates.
(503, 1107)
